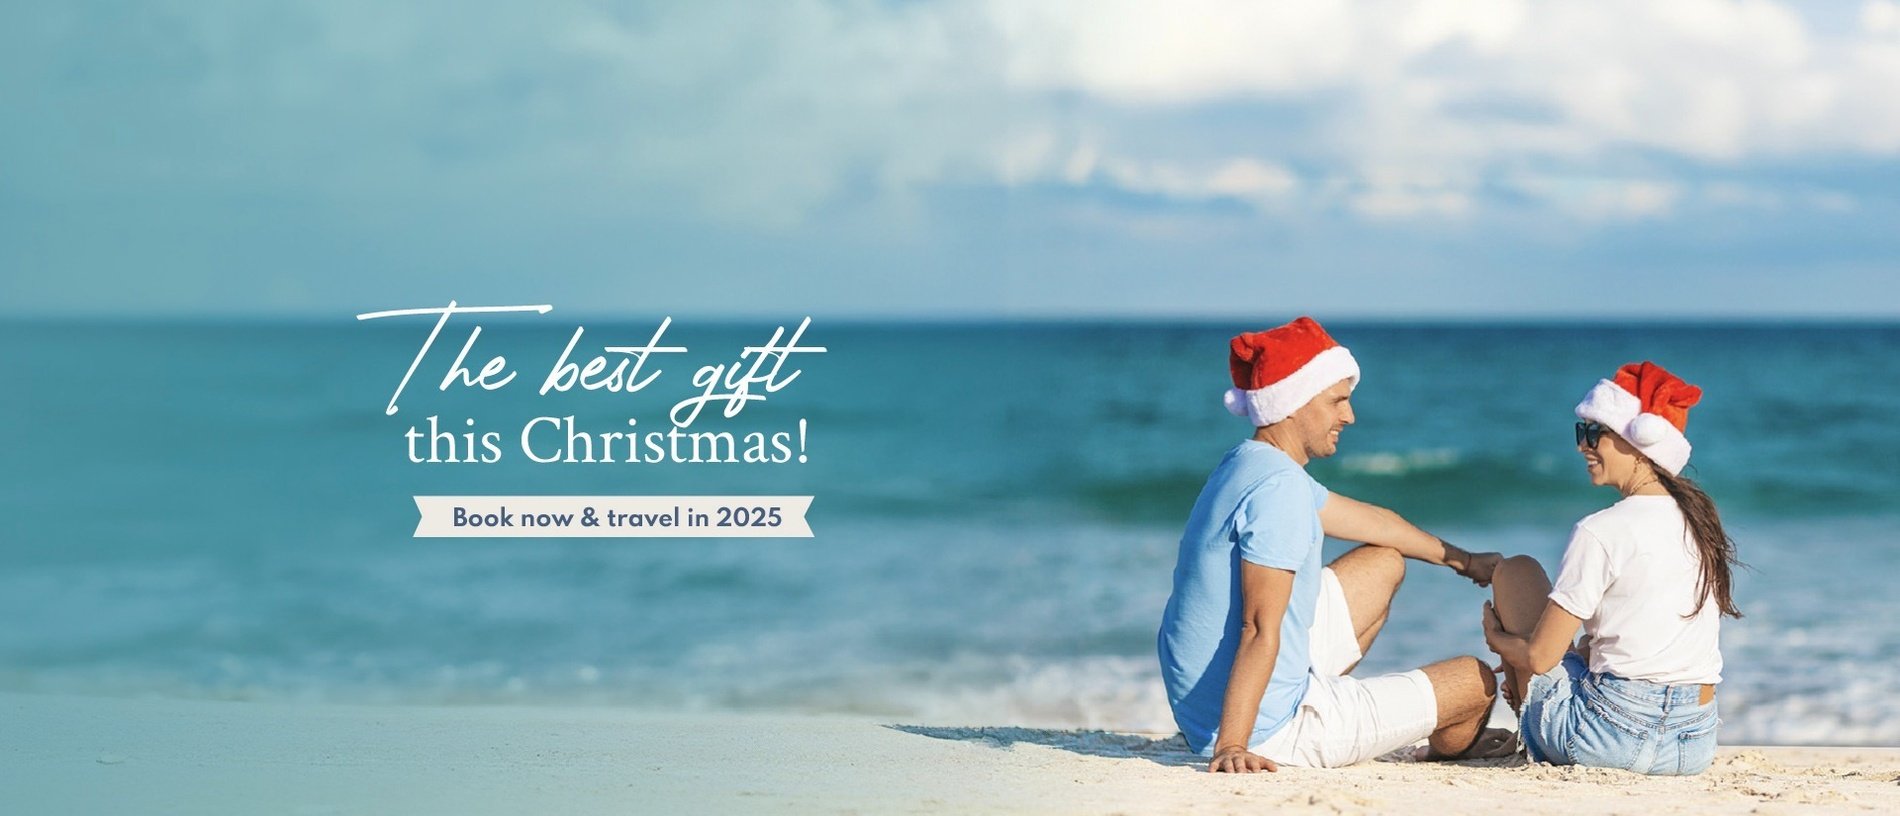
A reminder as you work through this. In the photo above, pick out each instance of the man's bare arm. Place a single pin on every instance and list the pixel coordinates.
(1264, 593)
(1353, 520)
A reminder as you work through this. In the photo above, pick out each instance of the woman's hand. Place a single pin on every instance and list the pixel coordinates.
(1539, 650)
(1240, 760)
(1505, 646)
(1501, 643)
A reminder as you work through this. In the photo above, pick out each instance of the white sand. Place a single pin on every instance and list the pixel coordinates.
(114, 756)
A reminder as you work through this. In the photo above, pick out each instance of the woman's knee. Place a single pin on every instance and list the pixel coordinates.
(1520, 569)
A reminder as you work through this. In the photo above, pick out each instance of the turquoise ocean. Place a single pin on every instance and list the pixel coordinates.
(222, 510)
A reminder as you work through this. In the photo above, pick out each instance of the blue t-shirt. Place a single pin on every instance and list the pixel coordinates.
(1259, 505)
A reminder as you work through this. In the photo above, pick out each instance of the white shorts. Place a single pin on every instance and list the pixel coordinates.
(1345, 720)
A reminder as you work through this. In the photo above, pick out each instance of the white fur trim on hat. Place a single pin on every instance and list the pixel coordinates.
(1609, 405)
(1265, 406)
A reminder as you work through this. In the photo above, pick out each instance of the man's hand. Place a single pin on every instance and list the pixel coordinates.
(1475, 566)
(1479, 566)
(1240, 760)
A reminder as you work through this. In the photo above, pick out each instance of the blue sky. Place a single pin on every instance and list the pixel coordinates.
(925, 159)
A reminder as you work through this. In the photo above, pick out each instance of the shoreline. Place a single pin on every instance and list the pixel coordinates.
(73, 754)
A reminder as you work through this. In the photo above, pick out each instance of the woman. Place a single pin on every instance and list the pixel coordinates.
(1647, 579)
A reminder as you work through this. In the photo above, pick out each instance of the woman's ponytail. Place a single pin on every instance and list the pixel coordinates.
(1712, 543)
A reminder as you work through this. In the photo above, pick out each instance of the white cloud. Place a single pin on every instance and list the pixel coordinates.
(1187, 51)
(1741, 196)
(1484, 90)
(1402, 202)
(1603, 199)
(1880, 17)
(1080, 165)
(761, 114)
(1243, 179)
(1830, 201)
(1251, 179)
(1712, 79)
(1037, 159)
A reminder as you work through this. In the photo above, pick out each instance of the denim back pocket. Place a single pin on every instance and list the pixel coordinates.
(1695, 747)
(1607, 734)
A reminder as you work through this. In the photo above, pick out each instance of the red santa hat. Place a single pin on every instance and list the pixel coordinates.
(1278, 370)
(1647, 406)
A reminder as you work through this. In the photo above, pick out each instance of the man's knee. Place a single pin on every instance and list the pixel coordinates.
(1472, 666)
(1464, 688)
(1391, 559)
(1485, 677)
(1384, 560)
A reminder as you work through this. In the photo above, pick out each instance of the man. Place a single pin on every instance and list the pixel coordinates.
(1257, 638)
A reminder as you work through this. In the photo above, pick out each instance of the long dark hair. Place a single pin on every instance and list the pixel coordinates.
(1711, 541)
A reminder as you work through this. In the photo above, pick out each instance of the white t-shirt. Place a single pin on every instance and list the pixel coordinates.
(1631, 573)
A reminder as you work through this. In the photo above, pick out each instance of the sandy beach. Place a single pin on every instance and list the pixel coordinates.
(62, 754)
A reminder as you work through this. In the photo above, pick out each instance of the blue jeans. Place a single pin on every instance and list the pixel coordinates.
(1572, 716)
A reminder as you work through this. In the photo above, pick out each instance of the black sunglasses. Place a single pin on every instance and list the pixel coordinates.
(1589, 432)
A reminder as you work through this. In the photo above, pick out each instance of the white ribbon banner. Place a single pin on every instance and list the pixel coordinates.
(612, 517)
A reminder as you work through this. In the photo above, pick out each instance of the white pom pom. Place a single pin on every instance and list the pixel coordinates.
(1649, 429)
(1236, 401)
